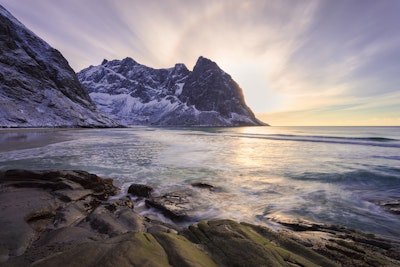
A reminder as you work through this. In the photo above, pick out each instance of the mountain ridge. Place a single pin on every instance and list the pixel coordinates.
(134, 94)
(38, 87)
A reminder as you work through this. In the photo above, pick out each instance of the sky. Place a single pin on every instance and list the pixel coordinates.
(298, 62)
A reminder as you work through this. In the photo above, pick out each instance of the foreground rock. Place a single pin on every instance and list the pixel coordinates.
(140, 190)
(66, 218)
(43, 212)
(347, 246)
(257, 246)
(179, 206)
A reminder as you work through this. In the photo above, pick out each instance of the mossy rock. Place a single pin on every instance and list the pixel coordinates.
(134, 249)
(181, 252)
(234, 244)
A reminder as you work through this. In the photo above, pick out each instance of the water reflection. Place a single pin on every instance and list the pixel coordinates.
(29, 138)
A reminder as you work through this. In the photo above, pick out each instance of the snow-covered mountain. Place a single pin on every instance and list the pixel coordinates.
(134, 94)
(37, 86)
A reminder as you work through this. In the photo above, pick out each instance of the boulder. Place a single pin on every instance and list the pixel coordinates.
(224, 240)
(140, 190)
(35, 202)
(131, 249)
(346, 246)
(178, 206)
(203, 186)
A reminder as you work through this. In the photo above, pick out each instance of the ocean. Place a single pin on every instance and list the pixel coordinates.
(334, 175)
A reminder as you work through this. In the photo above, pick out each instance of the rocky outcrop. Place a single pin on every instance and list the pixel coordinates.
(203, 185)
(67, 218)
(224, 239)
(34, 202)
(46, 212)
(179, 206)
(140, 190)
(38, 88)
(134, 94)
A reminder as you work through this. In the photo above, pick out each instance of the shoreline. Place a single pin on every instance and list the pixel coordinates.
(16, 139)
(57, 217)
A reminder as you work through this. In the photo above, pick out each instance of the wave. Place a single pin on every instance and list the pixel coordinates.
(366, 141)
(378, 177)
(387, 157)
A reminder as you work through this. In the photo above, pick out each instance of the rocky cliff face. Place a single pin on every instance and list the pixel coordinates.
(134, 94)
(37, 86)
(209, 88)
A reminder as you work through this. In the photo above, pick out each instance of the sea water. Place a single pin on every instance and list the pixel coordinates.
(335, 175)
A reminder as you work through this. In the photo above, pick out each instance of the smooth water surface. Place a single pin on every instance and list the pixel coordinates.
(325, 174)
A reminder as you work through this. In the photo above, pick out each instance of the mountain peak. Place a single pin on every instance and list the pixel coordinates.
(140, 95)
(204, 64)
(180, 66)
(205, 61)
(129, 60)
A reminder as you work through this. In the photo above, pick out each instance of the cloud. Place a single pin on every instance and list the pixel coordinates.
(286, 55)
(346, 39)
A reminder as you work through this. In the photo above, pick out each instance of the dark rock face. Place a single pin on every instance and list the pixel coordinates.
(35, 201)
(38, 87)
(140, 190)
(135, 94)
(346, 246)
(177, 206)
(209, 88)
(204, 186)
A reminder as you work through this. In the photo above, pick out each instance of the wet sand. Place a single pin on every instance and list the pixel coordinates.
(25, 138)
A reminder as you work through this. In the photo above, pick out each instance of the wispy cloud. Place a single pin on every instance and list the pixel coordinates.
(306, 55)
